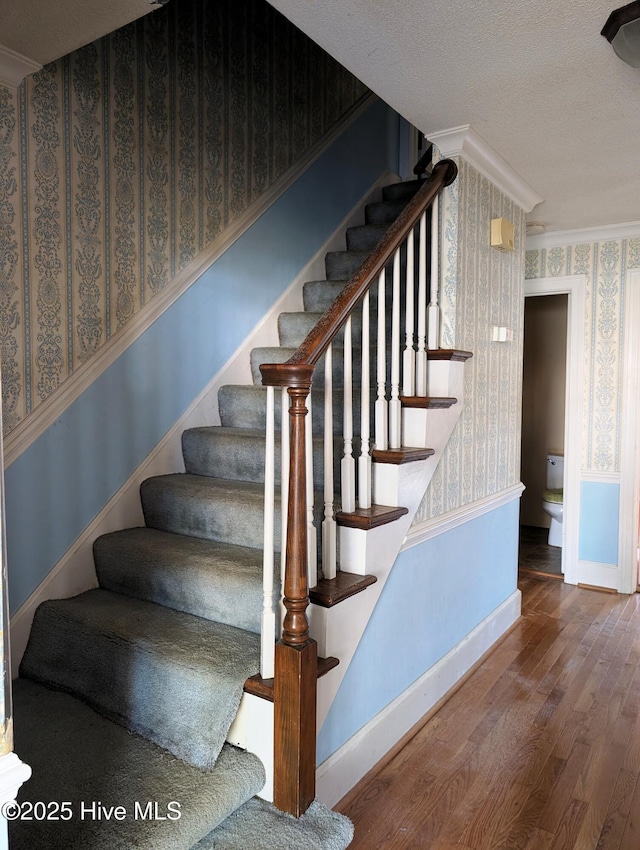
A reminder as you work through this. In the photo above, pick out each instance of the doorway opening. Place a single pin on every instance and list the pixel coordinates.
(574, 288)
(543, 434)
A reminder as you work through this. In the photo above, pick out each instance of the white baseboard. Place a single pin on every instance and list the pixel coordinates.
(75, 572)
(344, 768)
(597, 574)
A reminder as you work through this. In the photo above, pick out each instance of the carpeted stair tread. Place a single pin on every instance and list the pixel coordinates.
(319, 295)
(401, 192)
(78, 756)
(238, 454)
(242, 404)
(365, 237)
(383, 212)
(258, 825)
(294, 327)
(201, 506)
(171, 677)
(206, 578)
(342, 264)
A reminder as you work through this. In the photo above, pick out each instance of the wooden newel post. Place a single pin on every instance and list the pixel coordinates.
(296, 654)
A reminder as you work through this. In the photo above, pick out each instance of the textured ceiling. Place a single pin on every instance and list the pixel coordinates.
(535, 79)
(44, 30)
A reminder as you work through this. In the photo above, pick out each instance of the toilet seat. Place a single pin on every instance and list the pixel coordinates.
(554, 495)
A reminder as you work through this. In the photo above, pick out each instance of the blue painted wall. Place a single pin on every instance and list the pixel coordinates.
(58, 485)
(599, 519)
(436, 594)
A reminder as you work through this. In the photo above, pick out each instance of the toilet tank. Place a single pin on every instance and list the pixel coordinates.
(555, 471)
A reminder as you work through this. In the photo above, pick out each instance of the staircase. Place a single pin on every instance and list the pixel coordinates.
(129, 694)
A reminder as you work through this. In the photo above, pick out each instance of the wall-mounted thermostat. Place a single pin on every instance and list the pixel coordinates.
(502, 234)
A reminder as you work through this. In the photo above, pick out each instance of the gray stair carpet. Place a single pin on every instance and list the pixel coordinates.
(174, 678)
(80, 757)
(214, 580)
(128, 691)
(260, 826)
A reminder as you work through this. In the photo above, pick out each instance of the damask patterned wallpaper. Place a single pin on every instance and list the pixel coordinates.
(123, 160)
(605, 265)
(483, 288)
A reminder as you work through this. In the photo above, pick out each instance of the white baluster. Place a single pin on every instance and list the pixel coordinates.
(409, 355)
(312, 541)
(421, 354)
(347, 466)
(434, 308)
(284, 494)
(328, 523)
(381, 412)
(364, 461)
(395, 412)
(268, 629)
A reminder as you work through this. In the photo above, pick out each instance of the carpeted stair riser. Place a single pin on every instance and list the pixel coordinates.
(365, 237)
(199, 506)
(401, 192)
(80, 757)
(383, 212)
(160, 673)
(343, 264)
(245, 406)
(239, 454)
(217, 581)
(294, 327)
(213, 508)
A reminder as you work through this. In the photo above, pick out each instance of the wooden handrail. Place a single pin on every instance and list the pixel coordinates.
(296, 370)
(296, 653)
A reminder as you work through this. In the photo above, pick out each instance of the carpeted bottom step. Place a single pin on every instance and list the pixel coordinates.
(79, 757)
(172, 677)
(259, 826)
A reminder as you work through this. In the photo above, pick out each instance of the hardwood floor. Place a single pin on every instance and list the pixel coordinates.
(538, 750)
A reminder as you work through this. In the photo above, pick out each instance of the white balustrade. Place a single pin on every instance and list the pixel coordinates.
(381, 407)
(395, 410)
(421, 353)
(434, 308)
(409, 355)
(328, 523)
(268, 625)
(364, 460)
(347, 465)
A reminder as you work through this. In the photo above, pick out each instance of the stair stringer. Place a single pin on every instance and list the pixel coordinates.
(338, 630)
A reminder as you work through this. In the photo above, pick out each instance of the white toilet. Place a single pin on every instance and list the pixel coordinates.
(552, 497)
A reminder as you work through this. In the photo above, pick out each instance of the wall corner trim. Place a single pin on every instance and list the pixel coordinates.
(465, 142)
(14, 67)
(343, 769)
(420, 532)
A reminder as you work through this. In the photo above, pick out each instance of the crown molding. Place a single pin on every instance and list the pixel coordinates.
(465, 142)
(560, 238)
(14, 67)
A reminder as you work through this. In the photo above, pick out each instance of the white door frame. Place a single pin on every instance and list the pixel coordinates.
(575, 286)
(629, 438)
